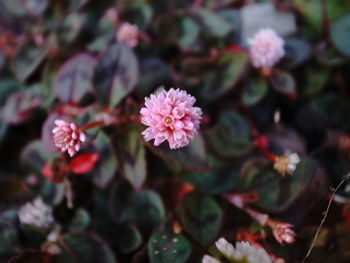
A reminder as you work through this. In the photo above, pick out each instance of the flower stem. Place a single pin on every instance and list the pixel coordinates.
(92, 125)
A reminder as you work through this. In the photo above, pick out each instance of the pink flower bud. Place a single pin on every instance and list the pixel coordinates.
(67, 137)
(283, 233)
(128, 33)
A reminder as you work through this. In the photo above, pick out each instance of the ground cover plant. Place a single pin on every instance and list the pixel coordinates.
(174, 131)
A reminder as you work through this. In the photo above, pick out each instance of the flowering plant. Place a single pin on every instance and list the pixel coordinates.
(174, 131)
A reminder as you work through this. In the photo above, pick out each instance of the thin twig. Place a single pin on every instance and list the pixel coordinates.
(325, 214)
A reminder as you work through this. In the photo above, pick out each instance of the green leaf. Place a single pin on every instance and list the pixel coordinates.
(330, 57)
(222, 176)
(193, 157)
(214, 25)
(7, 88)
(297, 51)
(139, 13)
(80, 221)
(74, 78)
(116, 74)
(31, 256)
(312, 10)
(201, 217)
(107, 164)
(132, 158)
(165, 247)
(316, 79)
(230, 137)
(128, 238)
(144, 209)
(27, 60)
(155, 73)
(8, 232)
(254, 91)
(276, 193)
(34, 157)
(72, 27)
(225, 74)
(84, 247)
(340, 35)
(188, 33)
(283, 82)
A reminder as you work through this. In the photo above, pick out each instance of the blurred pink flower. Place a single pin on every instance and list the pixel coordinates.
(266, 48)
(67, 137)
(283, 233)
(170, 116)
(128, 33)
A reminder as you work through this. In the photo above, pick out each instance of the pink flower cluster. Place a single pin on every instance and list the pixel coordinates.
(67, 137)
(170, 116)
(128, 33)
(283, 233)
(266, 48)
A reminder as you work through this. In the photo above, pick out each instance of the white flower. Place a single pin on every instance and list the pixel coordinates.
(225, 247)
(251, 254)
(266, 48)
(36, 213)
(243, 251)
(128, 33)
(209, 259)
(286, 164)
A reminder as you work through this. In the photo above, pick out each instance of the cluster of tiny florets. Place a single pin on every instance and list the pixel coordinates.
(67, 137)
(242, 252)
(170, 116)
(36, 213)
(266, 48)
(286, 164)
(128, 34)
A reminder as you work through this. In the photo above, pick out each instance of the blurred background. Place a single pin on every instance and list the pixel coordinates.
(273, 144)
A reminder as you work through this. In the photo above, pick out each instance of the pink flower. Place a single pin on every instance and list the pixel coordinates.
(67, 137)
(127, 33)
(283, 233)
(266, 48)
(170, 116)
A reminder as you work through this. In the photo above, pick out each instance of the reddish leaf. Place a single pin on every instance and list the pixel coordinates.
(31, 256)
(83, 163)
(54, 171)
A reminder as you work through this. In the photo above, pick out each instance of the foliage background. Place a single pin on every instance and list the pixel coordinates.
(60, 58)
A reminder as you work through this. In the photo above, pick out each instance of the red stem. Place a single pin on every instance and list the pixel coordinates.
(92, 125)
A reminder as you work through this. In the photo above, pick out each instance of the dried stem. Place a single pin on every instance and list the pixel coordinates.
(325, 214)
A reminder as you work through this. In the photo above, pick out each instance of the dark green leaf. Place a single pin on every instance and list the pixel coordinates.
(276, 193)
(340, 35)
(116, 74)
(144, 209)
(226, 72)
(254, 91)
(31, 256)
(165, 247)
(107, 164)
(213, 24)
(201, 217)
(297, 51)
(27, 60)
(283, 82)
(85, 247)
(190, 158)
(128, 238)
(132, 158)
(8, 87)
(230, 137)
(74, 78)
(80, 221)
